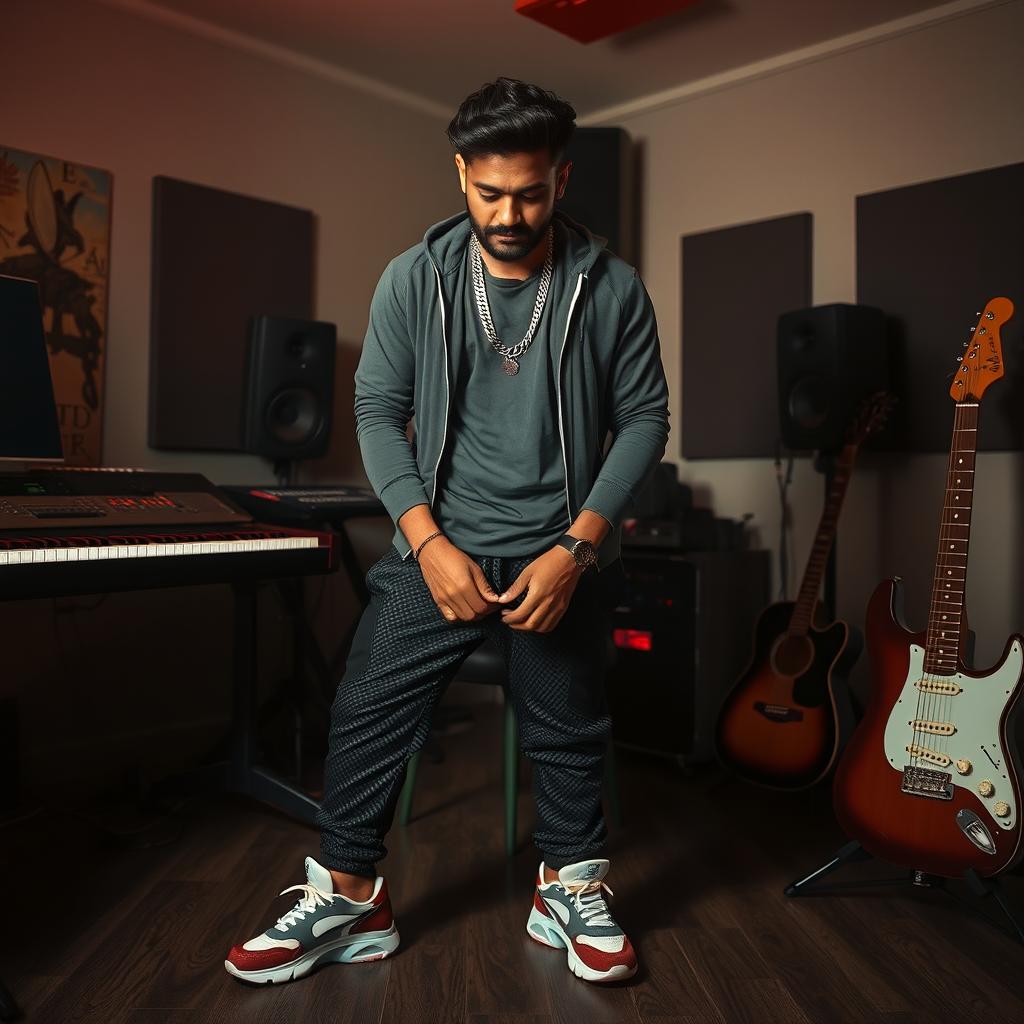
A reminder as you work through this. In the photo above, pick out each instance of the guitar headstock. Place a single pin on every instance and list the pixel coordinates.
(871, 416)
(982, 363)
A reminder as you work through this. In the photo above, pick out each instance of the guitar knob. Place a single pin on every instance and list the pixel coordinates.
(985, 787)
(963, 766)
(1002, 809)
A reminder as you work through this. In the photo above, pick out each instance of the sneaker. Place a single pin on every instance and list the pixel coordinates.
(323, 927)
(571, 914)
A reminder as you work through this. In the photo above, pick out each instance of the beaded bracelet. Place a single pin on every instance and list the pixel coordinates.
(423, 543)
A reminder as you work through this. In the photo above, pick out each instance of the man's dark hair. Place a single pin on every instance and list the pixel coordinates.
(508, 116)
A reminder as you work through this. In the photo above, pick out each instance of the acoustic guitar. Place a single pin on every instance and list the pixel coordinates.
(930, 778)
(787, 716)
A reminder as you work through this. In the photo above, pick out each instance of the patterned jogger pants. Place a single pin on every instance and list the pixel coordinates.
(403, 655)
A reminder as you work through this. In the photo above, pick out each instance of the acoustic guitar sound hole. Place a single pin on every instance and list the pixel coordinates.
(792, 656)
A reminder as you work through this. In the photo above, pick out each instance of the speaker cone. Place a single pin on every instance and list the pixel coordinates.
(809, 401)
(293, 415)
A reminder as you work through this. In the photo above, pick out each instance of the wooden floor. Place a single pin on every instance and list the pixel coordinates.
(105, 931)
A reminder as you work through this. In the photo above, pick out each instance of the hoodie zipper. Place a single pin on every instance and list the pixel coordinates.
(561, 429)
(447, 390)
(447, 386)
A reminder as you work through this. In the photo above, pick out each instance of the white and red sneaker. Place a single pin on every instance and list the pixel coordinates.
(322, 927)
(571, 914)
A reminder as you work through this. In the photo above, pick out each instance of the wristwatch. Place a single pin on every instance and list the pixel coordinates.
(582, 551)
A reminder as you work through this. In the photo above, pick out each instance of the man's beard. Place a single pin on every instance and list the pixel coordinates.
(523, 240)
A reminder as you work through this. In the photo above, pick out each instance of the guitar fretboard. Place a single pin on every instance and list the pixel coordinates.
(810, 586)
(945, 614)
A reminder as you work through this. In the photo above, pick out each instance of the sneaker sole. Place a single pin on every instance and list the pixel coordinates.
(352, 949)
(547, 932)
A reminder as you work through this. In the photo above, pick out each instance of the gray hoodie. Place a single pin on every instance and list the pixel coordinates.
(609, 367)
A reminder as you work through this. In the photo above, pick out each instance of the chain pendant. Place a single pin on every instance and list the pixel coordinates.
(509, 364)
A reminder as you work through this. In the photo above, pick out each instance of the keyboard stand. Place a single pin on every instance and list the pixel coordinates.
(8, 1007)
(240, 774)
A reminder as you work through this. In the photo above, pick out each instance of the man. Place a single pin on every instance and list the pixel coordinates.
(507, 506)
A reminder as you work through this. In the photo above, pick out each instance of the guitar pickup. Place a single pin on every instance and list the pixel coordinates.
(927, 754)
(941, 686)
(935, 728)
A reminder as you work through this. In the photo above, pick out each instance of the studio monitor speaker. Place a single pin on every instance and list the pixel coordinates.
(829, 359)
(601, 194)
(289, 388)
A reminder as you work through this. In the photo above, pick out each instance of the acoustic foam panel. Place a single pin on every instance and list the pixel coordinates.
(737, 281)
(930, 256)
(218, 259)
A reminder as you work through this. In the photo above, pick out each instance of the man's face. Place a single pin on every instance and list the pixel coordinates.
(510, 200)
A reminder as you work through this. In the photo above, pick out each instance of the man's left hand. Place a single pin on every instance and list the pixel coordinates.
(549, 582)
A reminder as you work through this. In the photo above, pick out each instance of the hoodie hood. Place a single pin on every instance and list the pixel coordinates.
(446, 243)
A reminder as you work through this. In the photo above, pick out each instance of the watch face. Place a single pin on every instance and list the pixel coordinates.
(584, 553)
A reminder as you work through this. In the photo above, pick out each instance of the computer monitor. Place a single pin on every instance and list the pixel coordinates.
(29, 427)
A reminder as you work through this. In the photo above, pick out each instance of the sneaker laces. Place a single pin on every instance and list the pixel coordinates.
(590, 903)
(312, 897)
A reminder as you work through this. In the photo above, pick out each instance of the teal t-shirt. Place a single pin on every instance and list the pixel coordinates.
(502, 490)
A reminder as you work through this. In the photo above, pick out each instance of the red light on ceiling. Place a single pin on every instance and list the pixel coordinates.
(633, 639)
(587, 20)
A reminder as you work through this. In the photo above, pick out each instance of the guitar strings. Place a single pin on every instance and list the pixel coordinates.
(926, 700)
(937, 702)
(939, 707)
(970, 415)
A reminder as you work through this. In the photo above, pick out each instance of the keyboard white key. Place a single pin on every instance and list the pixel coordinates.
(21, 556)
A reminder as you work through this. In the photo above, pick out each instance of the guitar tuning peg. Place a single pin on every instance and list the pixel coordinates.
(978, 313)
(959, 359)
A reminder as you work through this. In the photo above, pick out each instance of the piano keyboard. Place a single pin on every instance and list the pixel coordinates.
(51, 564)
(64, 533)
(24, 550)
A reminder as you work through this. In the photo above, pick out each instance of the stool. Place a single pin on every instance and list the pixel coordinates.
(486, 665)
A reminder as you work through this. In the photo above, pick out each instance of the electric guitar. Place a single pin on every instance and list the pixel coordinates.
(929, 778)
(786, 718)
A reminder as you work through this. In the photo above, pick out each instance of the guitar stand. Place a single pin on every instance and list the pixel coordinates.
(852, 852)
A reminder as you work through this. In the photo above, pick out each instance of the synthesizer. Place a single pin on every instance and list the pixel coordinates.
(80, 531)
(307, 503)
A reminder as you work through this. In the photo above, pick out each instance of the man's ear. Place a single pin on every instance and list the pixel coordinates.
(562, 179)
(461, 165)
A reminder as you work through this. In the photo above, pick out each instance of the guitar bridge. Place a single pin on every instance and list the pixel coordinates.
(778, 712)
(927, 782)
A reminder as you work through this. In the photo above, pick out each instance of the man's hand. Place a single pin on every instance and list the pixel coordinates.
(457, 584)
(549, 582)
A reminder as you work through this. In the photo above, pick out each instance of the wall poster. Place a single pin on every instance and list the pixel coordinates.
(55, 229)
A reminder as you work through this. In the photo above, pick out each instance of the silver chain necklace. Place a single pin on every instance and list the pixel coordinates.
(510, 366)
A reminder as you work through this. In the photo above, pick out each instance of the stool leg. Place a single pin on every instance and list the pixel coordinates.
(405, 799)
(511, 777)
(611, 784)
